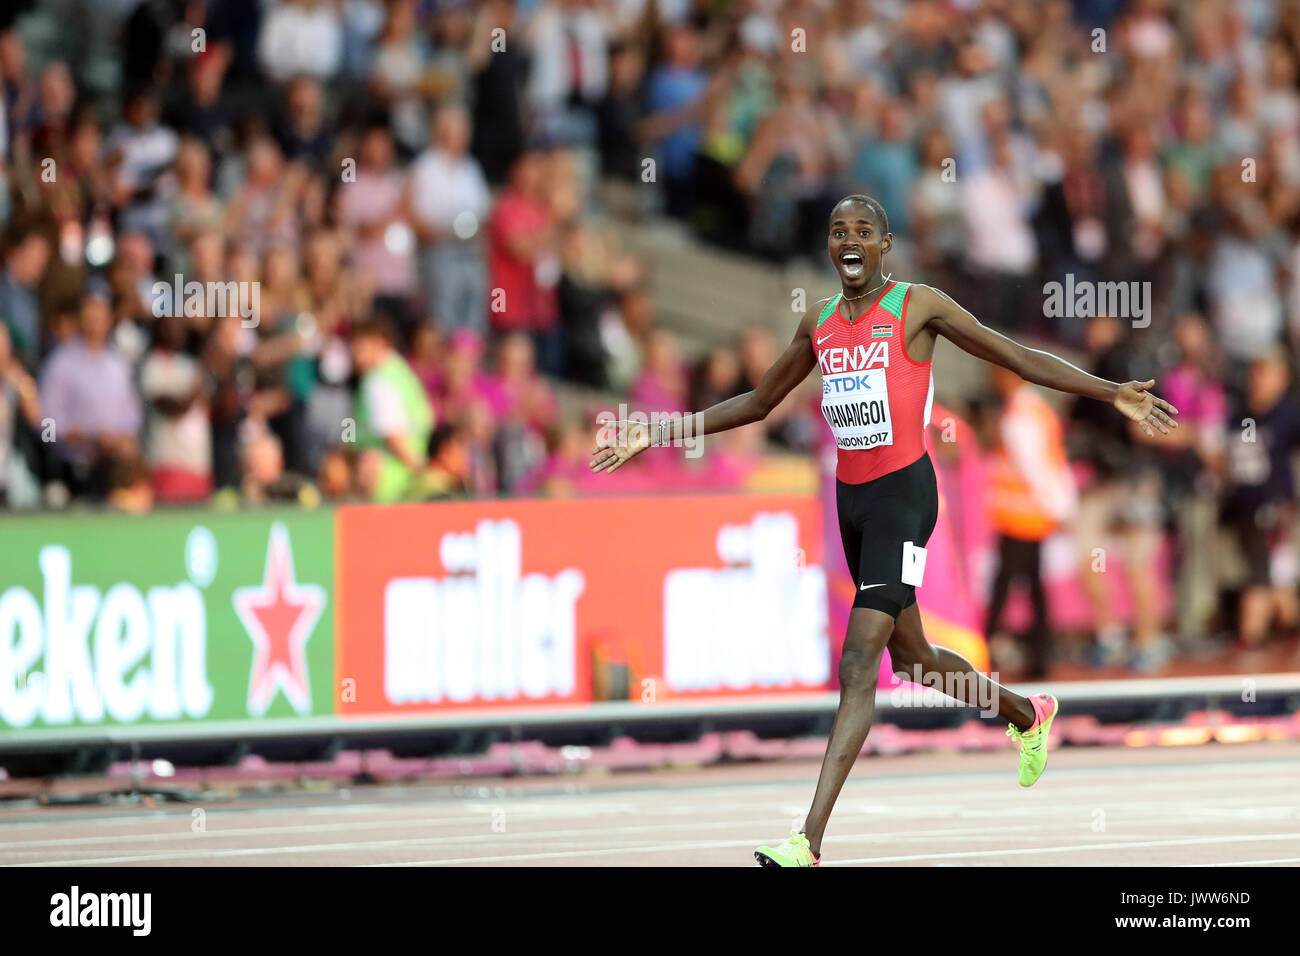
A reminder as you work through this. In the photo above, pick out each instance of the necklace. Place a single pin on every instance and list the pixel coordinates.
(865, 294)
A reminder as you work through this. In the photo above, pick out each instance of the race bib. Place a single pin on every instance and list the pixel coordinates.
(856, 406)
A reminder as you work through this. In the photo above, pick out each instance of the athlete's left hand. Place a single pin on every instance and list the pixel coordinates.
(616, 442)
(1135, 402)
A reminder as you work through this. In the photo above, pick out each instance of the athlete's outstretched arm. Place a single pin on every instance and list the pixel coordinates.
(777, 382)
(943, 316)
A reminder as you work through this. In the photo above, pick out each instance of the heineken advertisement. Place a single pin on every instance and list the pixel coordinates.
(176, 620)
(167, 618)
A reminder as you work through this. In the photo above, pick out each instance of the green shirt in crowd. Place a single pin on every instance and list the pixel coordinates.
(391, 401)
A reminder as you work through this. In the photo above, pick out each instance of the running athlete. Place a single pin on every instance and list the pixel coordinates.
(873, 343)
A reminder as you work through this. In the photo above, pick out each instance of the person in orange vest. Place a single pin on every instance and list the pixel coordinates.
(1031, 494)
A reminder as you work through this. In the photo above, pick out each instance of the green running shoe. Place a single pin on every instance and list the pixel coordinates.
(1033, 742)
(793, 852)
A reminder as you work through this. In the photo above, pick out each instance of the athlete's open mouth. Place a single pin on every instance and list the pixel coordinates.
(852, 264)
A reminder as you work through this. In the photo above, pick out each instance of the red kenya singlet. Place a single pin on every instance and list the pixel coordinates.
(875, 397)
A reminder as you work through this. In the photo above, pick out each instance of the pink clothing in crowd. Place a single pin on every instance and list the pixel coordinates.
(528, 401)
(526, 287)
(650, 394)
(1199, 399)
(385, 259)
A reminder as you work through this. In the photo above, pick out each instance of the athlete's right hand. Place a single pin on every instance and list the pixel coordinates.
(616, 442)
(1135, 402)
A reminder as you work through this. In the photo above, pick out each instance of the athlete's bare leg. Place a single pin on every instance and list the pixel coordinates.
(859, 673)
(947, 671)
(869, 633)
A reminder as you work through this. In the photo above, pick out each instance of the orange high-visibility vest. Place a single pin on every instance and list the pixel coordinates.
(1015, 510)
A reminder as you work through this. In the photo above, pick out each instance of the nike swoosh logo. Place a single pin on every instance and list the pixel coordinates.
(868, 587)
(823, 339)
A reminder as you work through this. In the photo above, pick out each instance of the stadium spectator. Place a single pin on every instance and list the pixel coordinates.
(1123, 498)
(717, 378)
(789, 170)
(139, 150)
(1243, 284)
(283, 358)
(569, 45)
(20, 307)
(936, 208)
(565, 472)
(394, 419)
(398, 72)
(332, 299)
(51, 115)
(198, 110)
(1031, 495)
(301, 36)
(526, 398)
(447, 75)
(262, 466)
(626, 334)
(662, 386)
(619, 113)
(594, 274)
(1001, 250)
(476, 428)
(86, 389)
(334, 477)
(787, 426)
(194, 210)
(232, 396)
(129, 488)
(303, 134)
(260, 209)
(527, 409)
(462, 381)
(450, 203)
(20, 405)
(524, 261)
(1195, 387)
(1144, 187)
(499, 72)
(383, 253)
(425, 358)
(673, 90)
(1264, 432)
(15, 88)
(448, 468)
(885, 164)
(178, 435)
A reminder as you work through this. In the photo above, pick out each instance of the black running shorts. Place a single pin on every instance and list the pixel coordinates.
(882, 523)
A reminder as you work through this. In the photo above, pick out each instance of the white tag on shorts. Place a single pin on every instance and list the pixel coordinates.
(913, 564)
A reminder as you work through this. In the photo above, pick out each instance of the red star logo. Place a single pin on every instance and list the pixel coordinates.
(279, 616)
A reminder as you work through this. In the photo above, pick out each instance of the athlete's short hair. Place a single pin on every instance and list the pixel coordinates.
(877, 211)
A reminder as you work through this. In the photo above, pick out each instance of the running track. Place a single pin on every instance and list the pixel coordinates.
(1220, 804)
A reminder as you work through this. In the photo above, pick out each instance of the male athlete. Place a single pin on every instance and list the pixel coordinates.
(873, 343)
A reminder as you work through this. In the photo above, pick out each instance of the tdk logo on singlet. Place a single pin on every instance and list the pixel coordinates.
(857, 359)
(845, 383)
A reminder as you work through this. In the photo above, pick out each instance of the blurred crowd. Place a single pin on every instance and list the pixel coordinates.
(415, 188)
(425, 170)
(1198, 524)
